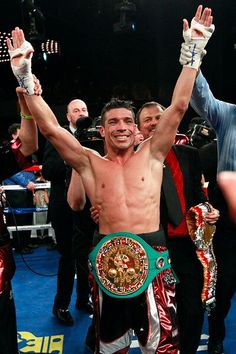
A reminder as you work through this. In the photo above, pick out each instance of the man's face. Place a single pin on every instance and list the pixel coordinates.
(119, 129)
(148, 120)
(76, 109)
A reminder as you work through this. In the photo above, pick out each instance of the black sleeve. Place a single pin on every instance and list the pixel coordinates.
(54, 167)
(8, 162)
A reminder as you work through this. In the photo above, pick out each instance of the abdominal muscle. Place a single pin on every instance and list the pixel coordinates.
(122, 213)
(127, 196)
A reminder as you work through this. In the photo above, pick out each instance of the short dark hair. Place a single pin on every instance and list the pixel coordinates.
(146, 105)
(12, 129)
(116, 103)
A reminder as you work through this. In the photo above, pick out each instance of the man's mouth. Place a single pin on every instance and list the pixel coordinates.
(121, 137)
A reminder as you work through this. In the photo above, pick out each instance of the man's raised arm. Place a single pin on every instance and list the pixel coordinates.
(28, 129)
(69, 148)
(196, 37)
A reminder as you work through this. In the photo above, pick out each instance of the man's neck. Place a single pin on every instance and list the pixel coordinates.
(120, 157)
(72, 128)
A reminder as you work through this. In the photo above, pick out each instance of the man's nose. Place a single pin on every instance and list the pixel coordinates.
(121, 125)
(153, 123)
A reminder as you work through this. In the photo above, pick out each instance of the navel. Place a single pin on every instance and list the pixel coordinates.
(142, 178)
(103, 185)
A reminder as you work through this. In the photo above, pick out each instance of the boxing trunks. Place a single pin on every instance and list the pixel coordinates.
(133, 290)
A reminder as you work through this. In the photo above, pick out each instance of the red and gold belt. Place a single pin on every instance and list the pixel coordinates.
(202, 235)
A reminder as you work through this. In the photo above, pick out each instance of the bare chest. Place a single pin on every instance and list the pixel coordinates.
(126, 184)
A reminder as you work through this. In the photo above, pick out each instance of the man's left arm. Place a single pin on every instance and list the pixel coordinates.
(208, 107)
(76, 197)
(166, 130)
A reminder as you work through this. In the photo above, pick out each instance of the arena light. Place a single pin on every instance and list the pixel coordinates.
(50, 46)
(4, 55)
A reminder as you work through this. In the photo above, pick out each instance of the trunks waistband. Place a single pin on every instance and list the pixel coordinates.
(155, 238)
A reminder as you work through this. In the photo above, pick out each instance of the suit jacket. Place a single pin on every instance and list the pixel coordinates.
(54, 169)
(190, 165)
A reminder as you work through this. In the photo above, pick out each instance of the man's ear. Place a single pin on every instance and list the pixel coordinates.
(102, 131)
(68, 117)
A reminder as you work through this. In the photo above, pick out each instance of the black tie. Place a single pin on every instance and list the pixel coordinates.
(174, 210)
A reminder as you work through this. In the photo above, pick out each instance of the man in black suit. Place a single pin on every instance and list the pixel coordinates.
(184, 166)
(224, 247)
(66, 226)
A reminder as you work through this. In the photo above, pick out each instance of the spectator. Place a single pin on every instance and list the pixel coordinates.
(183, 162)
(20, 203)
(12, 159)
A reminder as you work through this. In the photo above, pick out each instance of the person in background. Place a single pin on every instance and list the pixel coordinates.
(222, 117)
(41, 201)
(13, 158)
(183, 163)
(20, 202)
(55, 170)
(224, 248)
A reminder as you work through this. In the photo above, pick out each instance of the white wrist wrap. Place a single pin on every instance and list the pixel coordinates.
(192, 51)
(191, 59)
(22, 71)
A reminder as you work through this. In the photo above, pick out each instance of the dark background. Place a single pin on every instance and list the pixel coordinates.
(97, 62)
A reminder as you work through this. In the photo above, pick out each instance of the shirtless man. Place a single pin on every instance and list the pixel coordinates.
(125, 186)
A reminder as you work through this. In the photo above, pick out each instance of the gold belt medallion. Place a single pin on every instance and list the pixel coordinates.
(122, 265)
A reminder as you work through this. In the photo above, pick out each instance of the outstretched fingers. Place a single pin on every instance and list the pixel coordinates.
(198, 13)
(17, 37)
(9, 44)
(185, 25)
(206, 18)
(203, 16)
(208, 22)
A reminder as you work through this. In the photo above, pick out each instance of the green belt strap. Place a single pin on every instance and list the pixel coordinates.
(124, 264)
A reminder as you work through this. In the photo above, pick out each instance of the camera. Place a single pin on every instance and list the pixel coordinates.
(85, 131)
(88, 135)
(200, 133)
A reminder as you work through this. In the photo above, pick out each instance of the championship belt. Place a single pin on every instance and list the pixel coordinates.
(123, 264)
(202, 235)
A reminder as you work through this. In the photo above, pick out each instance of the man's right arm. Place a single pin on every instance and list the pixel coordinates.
(68, 147)
(66, 144)
(207, 106)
